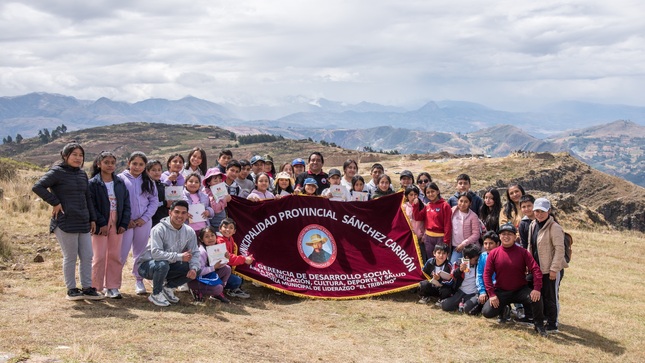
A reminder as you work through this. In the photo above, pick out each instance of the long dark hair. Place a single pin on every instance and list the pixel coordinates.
(203, 167)
(147, 184)
(69, 149)
(510, 208)
(490, 215)
(96, 167)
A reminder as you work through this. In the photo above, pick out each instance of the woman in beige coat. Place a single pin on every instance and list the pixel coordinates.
(546, 244)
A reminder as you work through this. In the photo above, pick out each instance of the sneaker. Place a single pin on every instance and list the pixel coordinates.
(424, 300)
(140, 288)
(183, 288)
(90, 293)
(439, 302)
(74, 294)
(113, 294)
(505, 316)
(552, 329)
(238, 293)
(170, 295)
(158, 299)
(525, 321)
(519, 312)
(221, 298)
(541, 331)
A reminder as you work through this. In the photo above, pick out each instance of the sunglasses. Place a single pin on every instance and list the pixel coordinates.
(423, 181)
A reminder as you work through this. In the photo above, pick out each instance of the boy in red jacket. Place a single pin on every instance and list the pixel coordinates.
(225, 235)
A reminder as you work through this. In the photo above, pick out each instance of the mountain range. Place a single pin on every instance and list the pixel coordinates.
(588, 131)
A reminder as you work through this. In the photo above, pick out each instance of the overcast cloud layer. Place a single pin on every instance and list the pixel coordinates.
(504, 54)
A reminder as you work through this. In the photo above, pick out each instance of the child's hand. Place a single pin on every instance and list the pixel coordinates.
(227, 255)
(460, 247)
(219, 264)
(415, 201)
(103, 231)
(436, 276)
(463, 267)
(186, 256)
(482, 298)
(248, 260)
(227, 198)
(121, 230)
(173, 176)
(139, 222)
(168, 203)
(205, 214)
(132, 224)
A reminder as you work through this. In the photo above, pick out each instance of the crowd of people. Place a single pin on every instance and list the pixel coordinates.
(101, 219)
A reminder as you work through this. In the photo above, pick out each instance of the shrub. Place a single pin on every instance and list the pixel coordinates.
(5, 248)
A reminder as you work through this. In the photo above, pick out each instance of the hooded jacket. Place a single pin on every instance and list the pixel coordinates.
(550, 246)
(166, 243)
(142, 205)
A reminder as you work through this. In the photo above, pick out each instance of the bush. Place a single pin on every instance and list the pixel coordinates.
(5, 248)
(8, 169)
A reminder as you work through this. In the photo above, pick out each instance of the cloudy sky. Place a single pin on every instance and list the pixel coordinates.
(510, 55)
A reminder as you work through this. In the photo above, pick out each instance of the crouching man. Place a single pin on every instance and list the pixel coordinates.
(171, 257)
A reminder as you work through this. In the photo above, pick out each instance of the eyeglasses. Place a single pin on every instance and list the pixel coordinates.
(423, 181)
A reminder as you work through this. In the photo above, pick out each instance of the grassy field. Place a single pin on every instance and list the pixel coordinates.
(602, 317)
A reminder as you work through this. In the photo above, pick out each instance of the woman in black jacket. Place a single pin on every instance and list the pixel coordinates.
(65, 187)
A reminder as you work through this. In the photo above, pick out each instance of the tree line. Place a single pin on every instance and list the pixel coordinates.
(43, 135)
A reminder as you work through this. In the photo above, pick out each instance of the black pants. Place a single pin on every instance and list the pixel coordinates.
(522, 296)
(452, 303)
(550, 296)
(428, 289)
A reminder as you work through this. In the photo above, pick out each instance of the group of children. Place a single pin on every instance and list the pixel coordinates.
(120, 210)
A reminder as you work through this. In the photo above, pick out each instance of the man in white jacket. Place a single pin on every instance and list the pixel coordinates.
(171, 257)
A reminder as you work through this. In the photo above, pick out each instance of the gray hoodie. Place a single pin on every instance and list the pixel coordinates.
(166, 243)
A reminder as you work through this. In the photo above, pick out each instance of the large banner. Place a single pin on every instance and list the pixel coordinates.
(310, 246)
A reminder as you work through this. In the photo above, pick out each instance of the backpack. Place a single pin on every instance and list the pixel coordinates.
(568, 242)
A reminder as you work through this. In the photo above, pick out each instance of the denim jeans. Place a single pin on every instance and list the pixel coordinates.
(164, 273)
(233, 282)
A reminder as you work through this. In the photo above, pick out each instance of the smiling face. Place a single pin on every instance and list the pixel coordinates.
(178, 216)
(283, 183)
(489, 244)
(258, 167)
(155, 172)
(351, 170)
(195, 160)
(227, 230)
(383, 184)
(298, 169)
(75, 159)
(315, 163)
(193, 183)
(310, 189)
(334, 180)
(515, 193)
(232, 174)
(262, 183)
(223, 160)
(136, 166)
(214, 180)
(432, 194)
(463, 204)
(175, 165)
(267, 167)
(209, 238)
(406, 182)
(440, 256)
(527, 209)
(508, 238)
(376, 173)
(244, 172)
(541, 215)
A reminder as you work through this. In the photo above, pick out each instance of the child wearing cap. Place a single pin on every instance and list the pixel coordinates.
(269, 168)
(310, 187)
(406, 178)
(283, 185)
(336, 191)
(298, 165)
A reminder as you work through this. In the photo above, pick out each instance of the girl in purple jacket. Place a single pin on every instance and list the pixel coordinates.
(194, 195)
(143, 205)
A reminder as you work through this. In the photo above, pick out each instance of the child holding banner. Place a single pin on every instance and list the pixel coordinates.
(261, 191)
(225, 235)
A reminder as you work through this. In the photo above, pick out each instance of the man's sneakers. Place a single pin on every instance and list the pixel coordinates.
(505, 316)
(90, 293)
(238, 293)
(140, 288)
(424, 300)
(112, 294)
(158, 299)
(74, 294)
(552, 329)
(169, 293)
(525, 321)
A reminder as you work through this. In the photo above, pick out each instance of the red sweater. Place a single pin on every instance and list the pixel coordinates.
(437, 217)
(509, 265)
(233, 260)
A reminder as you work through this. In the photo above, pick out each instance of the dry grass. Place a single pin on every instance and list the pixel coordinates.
(602, 317)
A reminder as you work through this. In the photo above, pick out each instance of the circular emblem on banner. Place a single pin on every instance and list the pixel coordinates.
(317, 246)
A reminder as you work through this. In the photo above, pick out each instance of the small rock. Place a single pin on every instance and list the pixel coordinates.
(18, 267)
(39, 258)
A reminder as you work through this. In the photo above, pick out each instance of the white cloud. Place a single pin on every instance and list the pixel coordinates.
(505, 54)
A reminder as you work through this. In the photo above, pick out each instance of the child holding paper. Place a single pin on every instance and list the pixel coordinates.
(207, 284)
(336, 191)
(199, 209)
(440, 269)
(215, 180)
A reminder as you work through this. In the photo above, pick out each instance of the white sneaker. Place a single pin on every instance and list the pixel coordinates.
(158, 299)
(170, 295)
(113, 294)
(238, 293)
(183, 288)
(424, 300)
(140, 288)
